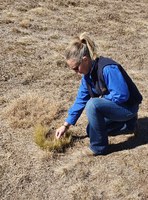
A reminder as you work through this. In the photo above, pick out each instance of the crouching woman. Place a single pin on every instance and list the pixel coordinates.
(108, 94)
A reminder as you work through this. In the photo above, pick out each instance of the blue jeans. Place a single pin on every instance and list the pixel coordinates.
(105, 116)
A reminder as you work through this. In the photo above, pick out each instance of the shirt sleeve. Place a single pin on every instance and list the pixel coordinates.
(116, 85)
(79, 104)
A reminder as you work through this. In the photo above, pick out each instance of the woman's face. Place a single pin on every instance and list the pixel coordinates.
(82, 67)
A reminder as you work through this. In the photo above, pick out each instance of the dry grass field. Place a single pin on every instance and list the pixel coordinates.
(36, 87)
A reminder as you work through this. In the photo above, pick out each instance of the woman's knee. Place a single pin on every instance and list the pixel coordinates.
(92, 105)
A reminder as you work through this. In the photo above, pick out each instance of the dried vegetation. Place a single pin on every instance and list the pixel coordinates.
(30, 110)
(37, 88)
(46, 140)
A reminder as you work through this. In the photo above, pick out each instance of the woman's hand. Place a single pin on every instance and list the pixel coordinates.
(60, 131)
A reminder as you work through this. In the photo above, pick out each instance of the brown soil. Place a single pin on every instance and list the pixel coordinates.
(36, 86)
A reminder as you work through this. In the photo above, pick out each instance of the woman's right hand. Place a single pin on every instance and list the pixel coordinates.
(60, 131)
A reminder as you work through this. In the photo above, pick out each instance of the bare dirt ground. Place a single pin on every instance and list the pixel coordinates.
(36, 86)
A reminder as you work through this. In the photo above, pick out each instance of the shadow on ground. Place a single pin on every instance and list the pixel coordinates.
(133, 141)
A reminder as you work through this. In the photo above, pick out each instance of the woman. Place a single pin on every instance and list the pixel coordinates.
(106, 91)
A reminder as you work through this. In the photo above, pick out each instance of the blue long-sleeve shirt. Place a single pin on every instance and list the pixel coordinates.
(116, 85)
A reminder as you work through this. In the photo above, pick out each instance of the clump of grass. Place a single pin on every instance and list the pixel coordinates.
(2, 100)
(26, 40)
(31, 109)
(39, 11)
(25, 23)
(46, 139)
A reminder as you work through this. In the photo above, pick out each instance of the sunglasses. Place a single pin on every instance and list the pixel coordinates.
(76, 68)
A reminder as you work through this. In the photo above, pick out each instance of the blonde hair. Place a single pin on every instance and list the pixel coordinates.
(81, 46)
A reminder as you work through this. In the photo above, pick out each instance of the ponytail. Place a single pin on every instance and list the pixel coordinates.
(81, 46)
(90, 45)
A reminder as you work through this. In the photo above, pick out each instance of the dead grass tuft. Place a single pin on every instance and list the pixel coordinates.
(26, 40)
(29, 110)
(46, 140)
(25, 23)
(39, 11)
(2, 100)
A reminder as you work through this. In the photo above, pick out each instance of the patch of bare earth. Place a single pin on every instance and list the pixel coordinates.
(33, 36)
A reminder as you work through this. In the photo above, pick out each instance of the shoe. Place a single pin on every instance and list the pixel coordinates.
(88, 152)
(130, 127)
(136, 129)
(132, 123)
